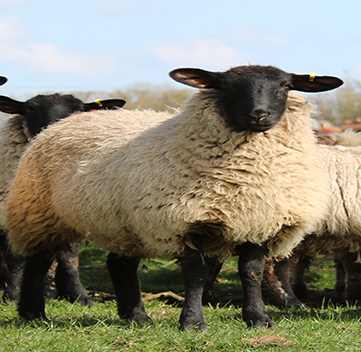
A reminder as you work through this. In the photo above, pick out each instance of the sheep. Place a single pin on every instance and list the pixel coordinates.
(342, 235)
(28, 119)
(236, 170)
(339, 233)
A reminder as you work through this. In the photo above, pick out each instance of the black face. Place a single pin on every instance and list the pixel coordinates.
(253, 98)
(44, 110)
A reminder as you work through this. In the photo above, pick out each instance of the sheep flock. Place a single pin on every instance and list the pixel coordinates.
(236, 172)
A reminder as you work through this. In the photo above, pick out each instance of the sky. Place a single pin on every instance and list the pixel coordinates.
(85, 45)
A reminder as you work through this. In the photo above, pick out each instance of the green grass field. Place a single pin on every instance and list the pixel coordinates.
(323, 327)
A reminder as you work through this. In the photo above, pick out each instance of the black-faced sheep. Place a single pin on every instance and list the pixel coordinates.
(235, 170)
(28, 119)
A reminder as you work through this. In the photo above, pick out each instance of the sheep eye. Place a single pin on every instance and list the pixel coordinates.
(286, 86)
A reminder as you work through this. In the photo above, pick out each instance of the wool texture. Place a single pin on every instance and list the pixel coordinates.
(139, 182)
(13, 142)
(341, 228)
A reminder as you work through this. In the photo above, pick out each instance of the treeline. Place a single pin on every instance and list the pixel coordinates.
(340, 105)
(158, 98)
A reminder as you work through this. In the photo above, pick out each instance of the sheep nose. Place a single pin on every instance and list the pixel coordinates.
(260, 114)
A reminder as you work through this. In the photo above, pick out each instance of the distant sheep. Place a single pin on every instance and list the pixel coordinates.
(28, 119)
(341, 234)
(236, 170)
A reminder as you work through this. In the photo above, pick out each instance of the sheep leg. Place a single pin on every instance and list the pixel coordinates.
(214, 267)
(67, 279)
(31, 303)
(14, 265)
(250, 268)
(276, 288)
(282, 273)
(352, 277)
(194, 272)
(123, 273)
(297, 274)
(340, 278)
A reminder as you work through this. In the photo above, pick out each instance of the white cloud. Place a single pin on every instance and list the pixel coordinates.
(11, 28)
(51, 58)
(205, 53)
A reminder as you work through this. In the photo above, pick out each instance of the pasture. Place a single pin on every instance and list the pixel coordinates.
(322, 325)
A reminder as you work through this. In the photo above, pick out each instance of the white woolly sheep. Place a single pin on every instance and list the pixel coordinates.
(236, 168)
(29, 118)
(341, 236)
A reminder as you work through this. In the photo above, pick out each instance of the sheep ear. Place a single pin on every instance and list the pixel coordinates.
(11, 106)
(196, 77)
(313, 83)
(104, 104)
(2, 80)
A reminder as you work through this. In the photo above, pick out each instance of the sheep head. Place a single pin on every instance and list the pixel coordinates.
(253, 98)
(43, 110)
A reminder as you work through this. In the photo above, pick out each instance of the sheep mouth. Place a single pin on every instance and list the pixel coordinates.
(256, 126)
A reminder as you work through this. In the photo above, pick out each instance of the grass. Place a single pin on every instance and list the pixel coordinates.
(70, 327)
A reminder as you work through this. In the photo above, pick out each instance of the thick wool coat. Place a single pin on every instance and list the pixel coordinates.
(139, 182)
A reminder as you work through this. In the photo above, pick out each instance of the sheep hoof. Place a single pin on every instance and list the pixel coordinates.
(190, 326)
(32, 315)
(143, 321)
(266, 323)
(85, 301)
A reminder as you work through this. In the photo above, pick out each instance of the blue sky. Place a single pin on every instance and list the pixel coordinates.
(67, 46)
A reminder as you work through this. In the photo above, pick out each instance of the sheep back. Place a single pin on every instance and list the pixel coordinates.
(138, 182)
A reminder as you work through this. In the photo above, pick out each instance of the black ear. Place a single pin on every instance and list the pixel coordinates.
(2, 80)
(104, 104)
(197, 78)
(11, 106)
(313, 83)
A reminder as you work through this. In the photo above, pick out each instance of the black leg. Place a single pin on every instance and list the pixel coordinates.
(194, 271)
(340, 279)
(352, 268)
(214, 267)
(4, 273)
(123, 273)
(14, 267)
(276, 289)
(297, 277)
(250, 268)
(67, 279)
(282, 273)
(31, 303)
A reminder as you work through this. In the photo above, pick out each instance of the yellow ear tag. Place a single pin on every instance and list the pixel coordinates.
(98, 101)
(312, 77)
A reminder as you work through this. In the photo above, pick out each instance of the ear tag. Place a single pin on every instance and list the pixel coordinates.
(98, 101)
(312, 77)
